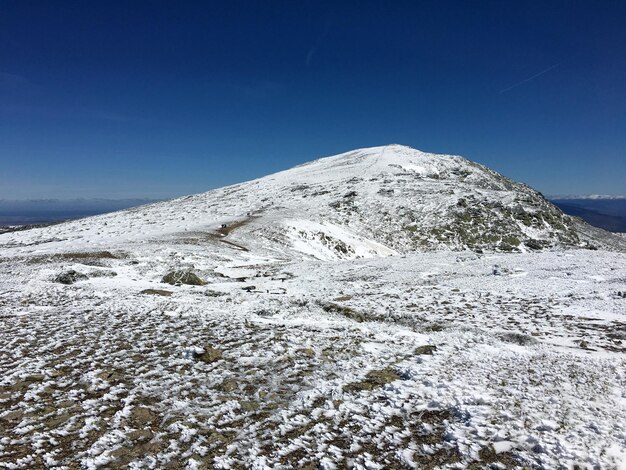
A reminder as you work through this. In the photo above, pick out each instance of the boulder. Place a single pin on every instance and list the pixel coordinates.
(70, 277)
(183, 277)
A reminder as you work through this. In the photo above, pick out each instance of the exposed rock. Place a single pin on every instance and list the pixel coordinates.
(228, 385)
(518, 338)
(161, 292)
(342, 298)
(70, 277)
(88, 255)
(183, 277)
(427, 349)
(247, 405)
(143, 416)
(140, 435)
(535, 244)
(12, 416)
(102, 273)
(212, 293)
(111, 375)
(344, 311)
(307, 352)
(58, 420)
(210, 355)
(373, 379)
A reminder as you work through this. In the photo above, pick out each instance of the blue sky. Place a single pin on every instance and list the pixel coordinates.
(157, 99)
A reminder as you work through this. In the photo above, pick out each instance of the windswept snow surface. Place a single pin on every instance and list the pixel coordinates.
(322, 338)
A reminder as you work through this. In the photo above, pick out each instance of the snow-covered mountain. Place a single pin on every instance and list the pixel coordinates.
(368, 202)
(382, 308)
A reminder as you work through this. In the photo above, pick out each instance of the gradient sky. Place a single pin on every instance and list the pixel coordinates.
(157, 99)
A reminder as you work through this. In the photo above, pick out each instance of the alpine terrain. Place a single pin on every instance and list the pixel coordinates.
(380, 309)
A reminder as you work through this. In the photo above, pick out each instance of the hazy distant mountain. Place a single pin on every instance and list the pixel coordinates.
(607, 213)
(38, 211)
(604, 197)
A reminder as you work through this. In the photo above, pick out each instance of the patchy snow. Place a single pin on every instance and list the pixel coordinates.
(321, 338)
(330, 242)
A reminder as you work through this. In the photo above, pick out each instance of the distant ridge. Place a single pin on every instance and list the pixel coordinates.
(43, 211)
(563, 197)
(606, 213)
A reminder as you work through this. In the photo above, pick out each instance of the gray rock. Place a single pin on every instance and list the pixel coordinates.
(183, 277)
(70, 277)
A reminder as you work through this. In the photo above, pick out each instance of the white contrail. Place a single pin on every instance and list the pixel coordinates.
(530, 78)
(318, 43)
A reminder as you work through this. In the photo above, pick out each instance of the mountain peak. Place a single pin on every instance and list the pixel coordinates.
(374, 201)
(388, 148)
(373, 162)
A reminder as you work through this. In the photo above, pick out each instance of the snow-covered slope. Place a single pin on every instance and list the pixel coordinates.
(368, 202)
(334, 320)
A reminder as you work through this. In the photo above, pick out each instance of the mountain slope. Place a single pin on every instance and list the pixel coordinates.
(231, 330)
(368, 202)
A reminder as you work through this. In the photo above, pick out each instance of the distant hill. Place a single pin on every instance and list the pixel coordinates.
(368, 202)
(608, 214)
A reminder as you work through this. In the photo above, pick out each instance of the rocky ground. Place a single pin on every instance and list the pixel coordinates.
(423, 361)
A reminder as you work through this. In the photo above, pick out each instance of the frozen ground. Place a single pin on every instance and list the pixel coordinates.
(318, 345)
(529, 360)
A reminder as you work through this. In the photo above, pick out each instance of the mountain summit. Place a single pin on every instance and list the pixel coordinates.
(368, 202)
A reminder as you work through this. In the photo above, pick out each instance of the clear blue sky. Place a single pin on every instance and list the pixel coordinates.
(156, 99)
